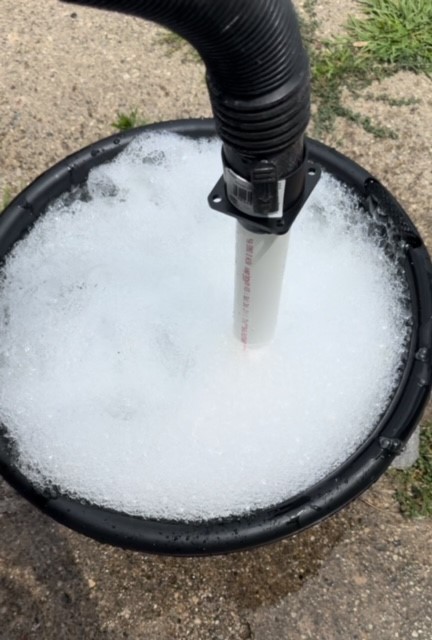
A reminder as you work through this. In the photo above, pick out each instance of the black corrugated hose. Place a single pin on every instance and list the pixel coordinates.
(257, 72)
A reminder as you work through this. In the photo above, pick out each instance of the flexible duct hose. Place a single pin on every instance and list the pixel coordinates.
(257, 72)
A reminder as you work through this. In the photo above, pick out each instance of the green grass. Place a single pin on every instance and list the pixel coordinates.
(364, 121)
(174, 43)
(127, 121)
(414, 486)
(6, 198)
(392, 102)
(392, 35)
(395, 33)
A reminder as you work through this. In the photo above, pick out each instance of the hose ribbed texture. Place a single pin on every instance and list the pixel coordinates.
(257, 69)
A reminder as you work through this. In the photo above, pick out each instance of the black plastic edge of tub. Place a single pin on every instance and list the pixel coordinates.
(323, 499)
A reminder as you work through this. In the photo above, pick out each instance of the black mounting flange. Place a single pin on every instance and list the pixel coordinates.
(248, 200)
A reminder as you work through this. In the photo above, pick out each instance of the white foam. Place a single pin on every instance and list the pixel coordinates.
(120, 380)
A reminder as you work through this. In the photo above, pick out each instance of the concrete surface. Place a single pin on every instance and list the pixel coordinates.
(364, 574)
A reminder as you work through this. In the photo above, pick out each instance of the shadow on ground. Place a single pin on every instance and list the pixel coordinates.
(63, 585)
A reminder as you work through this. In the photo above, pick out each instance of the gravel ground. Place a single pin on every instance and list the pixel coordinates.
(364, 574)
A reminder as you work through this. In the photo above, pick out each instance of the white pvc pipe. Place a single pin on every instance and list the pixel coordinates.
(259, 271)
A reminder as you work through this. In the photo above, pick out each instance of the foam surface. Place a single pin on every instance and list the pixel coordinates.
(120, 380)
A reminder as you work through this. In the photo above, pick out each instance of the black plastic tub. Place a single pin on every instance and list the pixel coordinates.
(321, 500)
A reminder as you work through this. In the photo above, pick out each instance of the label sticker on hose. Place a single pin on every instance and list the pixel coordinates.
(240, 194)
